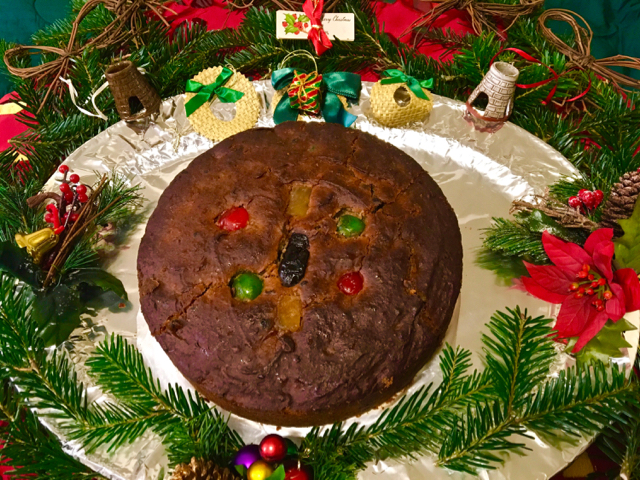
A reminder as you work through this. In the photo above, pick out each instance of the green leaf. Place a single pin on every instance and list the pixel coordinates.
(291, 30)
(16, 262)
(538, 221)
(99, 278)
(278, 474)
(304, 18)
(241, 469)
(57, 312)
(628, 246)
(605, 345)
(289, 18)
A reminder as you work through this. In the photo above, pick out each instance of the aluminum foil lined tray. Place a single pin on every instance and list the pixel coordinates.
(479, 173)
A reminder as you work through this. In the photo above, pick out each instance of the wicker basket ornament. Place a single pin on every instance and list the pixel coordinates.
(127, 83)
(247, 107)
(394, 102)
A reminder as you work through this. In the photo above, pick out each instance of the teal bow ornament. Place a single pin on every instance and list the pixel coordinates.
(346, 84)
(415, 85)
(205, 93)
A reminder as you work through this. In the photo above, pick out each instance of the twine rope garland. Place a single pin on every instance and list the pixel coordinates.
(113, 34)
(580, 56)
(481, 13)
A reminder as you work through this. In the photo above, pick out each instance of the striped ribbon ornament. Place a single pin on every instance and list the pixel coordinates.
(304, 92)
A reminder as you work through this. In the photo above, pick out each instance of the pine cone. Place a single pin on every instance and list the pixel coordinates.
(202, 470)
(621, 202)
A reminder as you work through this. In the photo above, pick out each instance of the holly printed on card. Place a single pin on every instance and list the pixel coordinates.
(295, 23)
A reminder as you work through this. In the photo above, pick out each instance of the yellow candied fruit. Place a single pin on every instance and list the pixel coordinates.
(299, 200)
(289, 313)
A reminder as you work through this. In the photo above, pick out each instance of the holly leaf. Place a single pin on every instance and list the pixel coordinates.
(289, 18)
(57, 311)
(278, 474)
(627, 247)
(291, 29)
(16, 262)
(304, 18)
(98, 278)
(241, 469)
(539, 222)
(605, 345)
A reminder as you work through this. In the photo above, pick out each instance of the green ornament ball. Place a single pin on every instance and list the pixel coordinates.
(350, 226)
(246, 286)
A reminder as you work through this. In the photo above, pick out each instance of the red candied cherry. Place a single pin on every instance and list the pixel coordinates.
(68, 197)
(74, 178)
(82, 198)
(63, 169)
(64, 187)
(233, 219)
(574, 202)
(81, 189)
(351, 283)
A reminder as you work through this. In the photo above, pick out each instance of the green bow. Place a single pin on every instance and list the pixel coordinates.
(205, 93)
(415, 85)
(334, 84)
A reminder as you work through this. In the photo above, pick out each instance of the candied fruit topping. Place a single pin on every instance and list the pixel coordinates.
(299, 200)
(246, 286)
(294, 261)
(233, 219)
(289, 313)
(351, 283)
(350, 226)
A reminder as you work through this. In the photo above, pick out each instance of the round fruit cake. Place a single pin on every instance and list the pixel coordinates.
(300, 275)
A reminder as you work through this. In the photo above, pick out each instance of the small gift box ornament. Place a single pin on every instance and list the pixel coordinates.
(229, 87)
(400, 99)
(328, 95)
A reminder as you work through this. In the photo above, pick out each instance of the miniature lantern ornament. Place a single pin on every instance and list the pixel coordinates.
(127, 83)
(499, 85)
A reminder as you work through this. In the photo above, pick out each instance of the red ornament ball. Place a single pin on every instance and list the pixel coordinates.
(74, 178)
(298, 472)
(63, 169)
(68, 197)
(273, 448)
(81, 189)
(233, 219)
(82, 198)
(574, 202)
(351, 283)
(64, 187)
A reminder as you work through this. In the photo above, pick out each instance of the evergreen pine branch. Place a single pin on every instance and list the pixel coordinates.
(513, 239)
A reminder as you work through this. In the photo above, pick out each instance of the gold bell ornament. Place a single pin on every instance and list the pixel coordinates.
(37, 243)
(400, 99)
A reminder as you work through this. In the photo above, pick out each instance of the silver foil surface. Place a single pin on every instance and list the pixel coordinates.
(479, 173)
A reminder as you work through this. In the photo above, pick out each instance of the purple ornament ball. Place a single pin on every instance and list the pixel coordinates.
(247, 455)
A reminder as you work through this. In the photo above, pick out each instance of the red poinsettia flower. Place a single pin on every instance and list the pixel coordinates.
(583, 281)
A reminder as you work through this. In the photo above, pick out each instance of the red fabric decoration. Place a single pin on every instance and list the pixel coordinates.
(317, 35)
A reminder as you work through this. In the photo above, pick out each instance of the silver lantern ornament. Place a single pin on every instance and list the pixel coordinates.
(499, 86)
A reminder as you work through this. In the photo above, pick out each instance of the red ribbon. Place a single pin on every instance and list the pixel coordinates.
(554, 76)
(317, 35)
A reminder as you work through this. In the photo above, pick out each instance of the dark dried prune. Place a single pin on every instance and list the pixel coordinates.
(294, 260)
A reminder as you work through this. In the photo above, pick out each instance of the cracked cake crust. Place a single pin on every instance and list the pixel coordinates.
(351, 352)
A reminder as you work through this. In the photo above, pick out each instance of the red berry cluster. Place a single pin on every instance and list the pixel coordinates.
(586, 200)
(591, 283)
(74, 194)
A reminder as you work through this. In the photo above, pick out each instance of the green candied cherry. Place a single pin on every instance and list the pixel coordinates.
(246, 286)
(350, 226)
